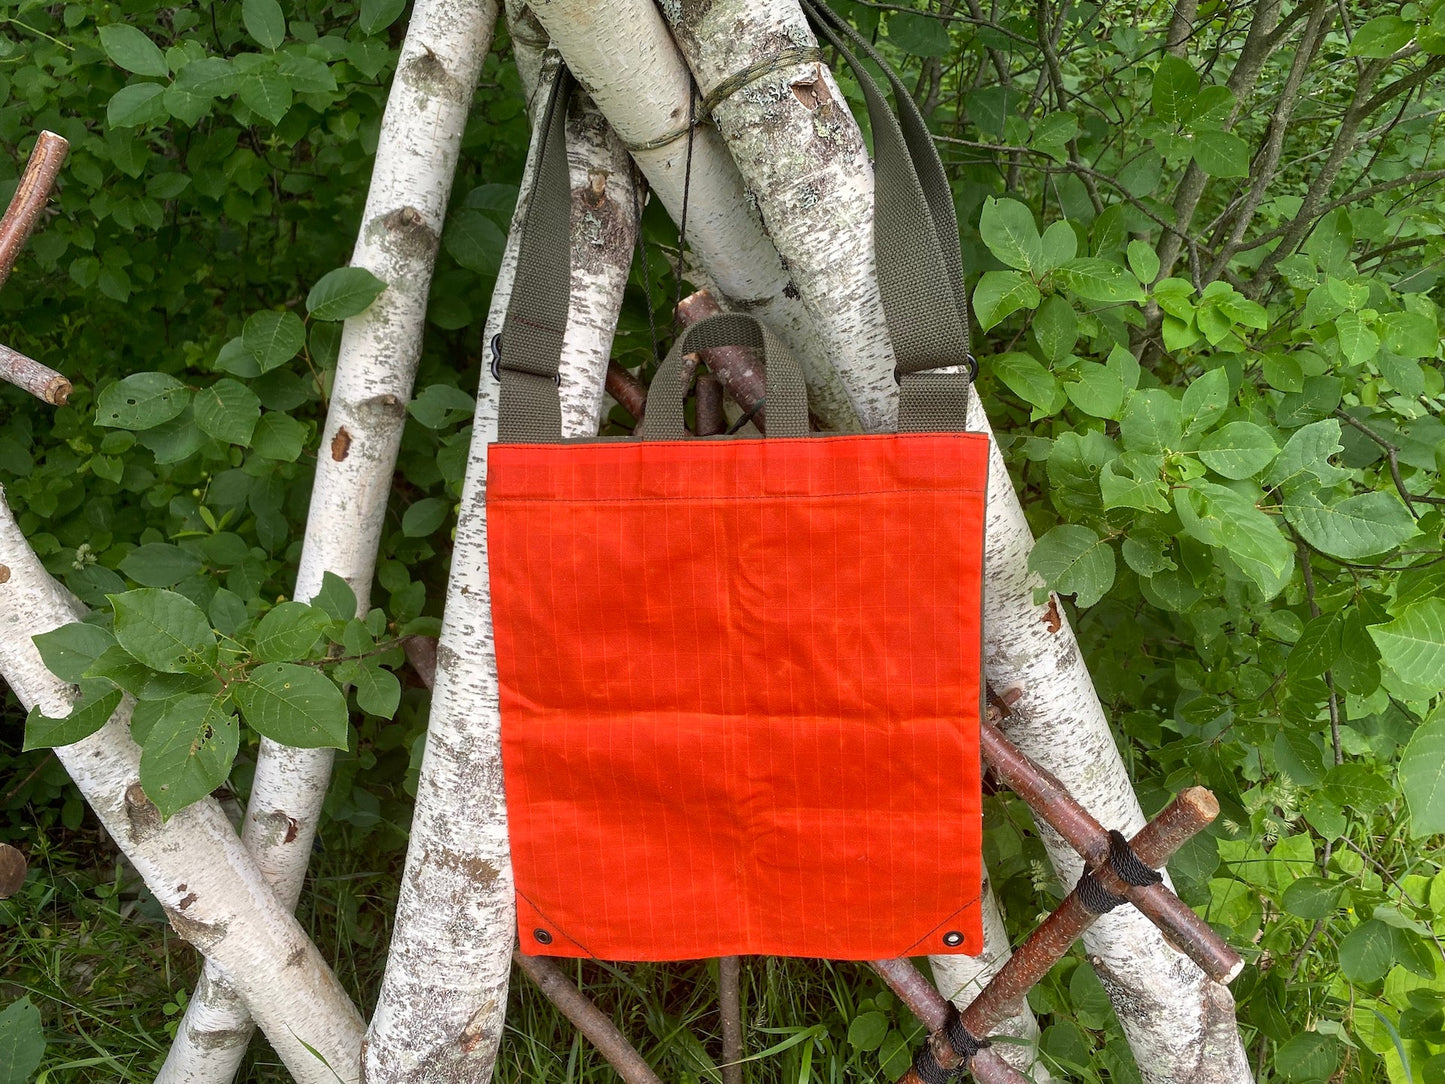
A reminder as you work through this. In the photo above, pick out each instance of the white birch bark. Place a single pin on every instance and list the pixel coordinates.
(803, 161)
(1179, 1023)
(799, 150)
(416, 159)
(211, 890)
(622, 53)
(439, 1017)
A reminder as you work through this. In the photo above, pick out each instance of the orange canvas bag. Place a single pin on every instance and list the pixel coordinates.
(740, 678)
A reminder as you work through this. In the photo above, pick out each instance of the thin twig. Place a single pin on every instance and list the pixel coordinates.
(589, 1019)
(730, 1010)
(30, 197)
(29, 375)
(1334, 699)
(1392, 453)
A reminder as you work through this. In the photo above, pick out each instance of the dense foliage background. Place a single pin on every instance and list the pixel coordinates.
(1207, 246)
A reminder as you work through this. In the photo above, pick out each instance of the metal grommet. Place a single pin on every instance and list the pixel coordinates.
(542, 936)
(971, 363)
(953, 939)
(496, 365)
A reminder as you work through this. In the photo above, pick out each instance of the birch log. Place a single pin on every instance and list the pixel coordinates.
(439, 1017)
(211, 890)
(622, 53)
(800, 151)
(416, 159)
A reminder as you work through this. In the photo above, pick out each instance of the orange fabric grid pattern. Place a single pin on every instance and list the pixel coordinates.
(740, 686)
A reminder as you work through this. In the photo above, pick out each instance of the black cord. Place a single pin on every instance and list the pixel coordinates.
(686, 189)
(642, 252)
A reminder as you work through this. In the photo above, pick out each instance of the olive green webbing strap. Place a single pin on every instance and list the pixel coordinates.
(915, 238)
(530, 347)
(787, 397)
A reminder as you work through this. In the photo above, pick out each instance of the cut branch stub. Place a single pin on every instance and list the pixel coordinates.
(30, 197)
(1184, 929)
(735, 366)
(12, 870)
(15, 227)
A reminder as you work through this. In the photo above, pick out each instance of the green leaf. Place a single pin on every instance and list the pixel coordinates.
(279, 436)
(159, 564)
(867, 1030)
(264, 22)
(1410, 334)
(228, 411)
(1060, 245)
(343, 292)
(1204, 400)
(1029, 380)
(161, 628)
(1358, 786)
(377, 15)
(273, 338)
(188, 751)
(1312, 898)
(121, 668)
(1307, 1056)
(1143, 261)
(1099, 391)
(1422, 777)
(1382, 36)
(1130, 490)
(1073, 560)
(1096, 279)
(425, 517)
(132, 50)
(440, 405)
(137, 104)
(1008, 229)
(1252, 541)
(206, 78)
(1359, 526)
(336, 597)
(1238, 450)
(1175, 87)
(1052, 133)
(294, 705)
(1369, 950)
(69, 650)
(1306, 456)
(1357, 342)
(289, 631)
(378, 692)
(90, 711)
(1316, 649)
(999, 294)
(918, 35)
(267, 93)
(306, 74)
(141, 401)
(22, 1041)
(475, 242)
(1151, 421)
(1413, 645)
(1056, 329)
(1221, 154)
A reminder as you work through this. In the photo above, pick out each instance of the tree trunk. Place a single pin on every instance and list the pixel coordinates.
(416, 159)
(799, 150)
(211, 890)
(439, 1017)
(622, 53)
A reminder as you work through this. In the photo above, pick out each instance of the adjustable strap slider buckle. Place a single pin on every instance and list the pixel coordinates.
(496, 363)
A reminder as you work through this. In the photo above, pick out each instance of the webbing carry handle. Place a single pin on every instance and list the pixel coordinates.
(786, 395)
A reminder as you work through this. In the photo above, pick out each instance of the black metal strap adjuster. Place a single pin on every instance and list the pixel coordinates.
(496, 363)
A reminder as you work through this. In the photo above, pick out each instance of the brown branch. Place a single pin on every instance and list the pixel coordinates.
(1155, 843)
(421, 652)
(736, 367)
(630, 393)
(730, 1010)
(589, 1019)
(710, 417)
(1392, 453)
(30, 197)
(1334, 699)
(1266, 162)
(28, 374)
(1048, 798)
(1420, 177)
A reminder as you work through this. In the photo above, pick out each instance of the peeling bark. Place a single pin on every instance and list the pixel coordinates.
(199, 871)
(416, 159)
(622, 54)
(439, 1017)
